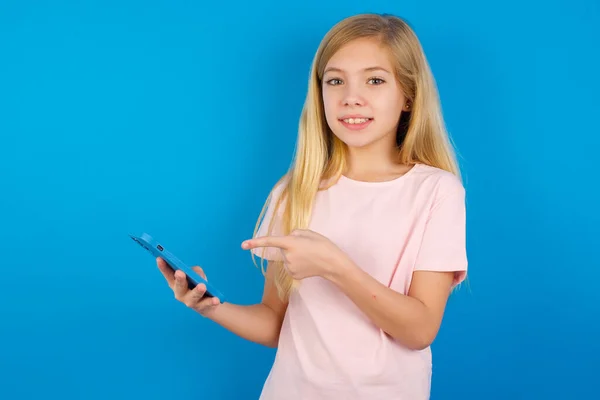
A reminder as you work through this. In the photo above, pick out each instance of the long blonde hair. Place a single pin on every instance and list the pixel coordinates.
(320, 155)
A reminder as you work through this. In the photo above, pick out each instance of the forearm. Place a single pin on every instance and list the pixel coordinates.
(403, 317)
(257, 322)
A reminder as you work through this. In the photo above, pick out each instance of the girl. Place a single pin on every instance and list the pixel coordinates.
(365, 234)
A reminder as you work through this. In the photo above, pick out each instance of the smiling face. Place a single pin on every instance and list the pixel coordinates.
(361, 96)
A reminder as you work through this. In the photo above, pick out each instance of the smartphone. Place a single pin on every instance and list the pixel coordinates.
(193, 279)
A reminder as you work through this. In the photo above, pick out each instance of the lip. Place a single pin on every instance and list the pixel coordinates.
(353, 116)
(356, 127)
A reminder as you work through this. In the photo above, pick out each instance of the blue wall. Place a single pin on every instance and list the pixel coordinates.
(176, 118)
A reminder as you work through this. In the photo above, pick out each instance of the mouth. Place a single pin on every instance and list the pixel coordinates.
(356, 123)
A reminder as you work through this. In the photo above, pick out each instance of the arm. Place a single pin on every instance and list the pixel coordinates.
(259, 323)
(412, 319)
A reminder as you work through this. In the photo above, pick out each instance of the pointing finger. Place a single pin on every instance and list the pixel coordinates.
(281, 242)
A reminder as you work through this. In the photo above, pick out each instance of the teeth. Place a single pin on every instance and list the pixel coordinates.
(355, 120)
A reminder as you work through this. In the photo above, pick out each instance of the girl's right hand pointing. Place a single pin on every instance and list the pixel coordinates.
(192, 298)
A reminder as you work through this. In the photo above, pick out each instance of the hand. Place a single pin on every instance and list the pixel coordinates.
(193, 298)
(305, 253)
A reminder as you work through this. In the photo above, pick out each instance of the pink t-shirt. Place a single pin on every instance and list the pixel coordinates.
(328, 349)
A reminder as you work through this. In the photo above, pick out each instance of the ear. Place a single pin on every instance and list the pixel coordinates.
(407, 105)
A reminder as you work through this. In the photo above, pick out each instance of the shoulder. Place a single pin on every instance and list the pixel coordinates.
(439, 182)
(279, 186)
(275, 198)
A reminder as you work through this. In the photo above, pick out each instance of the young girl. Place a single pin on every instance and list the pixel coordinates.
(365, 234)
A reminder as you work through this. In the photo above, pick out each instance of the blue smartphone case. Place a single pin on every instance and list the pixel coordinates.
(157, 250)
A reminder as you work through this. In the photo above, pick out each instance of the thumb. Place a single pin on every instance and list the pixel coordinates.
(200, 272)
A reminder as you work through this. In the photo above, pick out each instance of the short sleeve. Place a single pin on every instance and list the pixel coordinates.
(443, 247)
(270, 253)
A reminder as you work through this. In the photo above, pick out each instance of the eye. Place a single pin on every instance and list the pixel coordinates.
(334, 82)
(378, 81)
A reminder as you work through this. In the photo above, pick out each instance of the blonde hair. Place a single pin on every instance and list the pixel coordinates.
(320, 155)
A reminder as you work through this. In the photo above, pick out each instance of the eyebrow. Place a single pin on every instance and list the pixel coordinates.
(369, 69)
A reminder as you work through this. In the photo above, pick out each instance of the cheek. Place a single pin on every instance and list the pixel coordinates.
(389, 106)
(329, 104)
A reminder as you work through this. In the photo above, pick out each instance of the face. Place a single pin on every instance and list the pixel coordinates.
(361, 95)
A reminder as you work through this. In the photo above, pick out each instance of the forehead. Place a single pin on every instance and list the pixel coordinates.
(359, 54)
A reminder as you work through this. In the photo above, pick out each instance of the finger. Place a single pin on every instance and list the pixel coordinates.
(207, 304)
(194, 296)
(283, 242)
(283, 257)
(197, 299)
(167, 271)
(307, 233)
(181, 285)
(200, 272)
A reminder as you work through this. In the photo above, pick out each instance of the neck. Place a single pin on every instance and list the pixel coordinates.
(371, 163)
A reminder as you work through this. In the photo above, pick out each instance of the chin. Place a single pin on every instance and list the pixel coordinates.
(356, 142)
(356, 139)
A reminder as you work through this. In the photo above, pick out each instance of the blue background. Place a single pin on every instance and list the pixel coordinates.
(175, 118)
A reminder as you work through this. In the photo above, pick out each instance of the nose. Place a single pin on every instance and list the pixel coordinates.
(352, 96)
